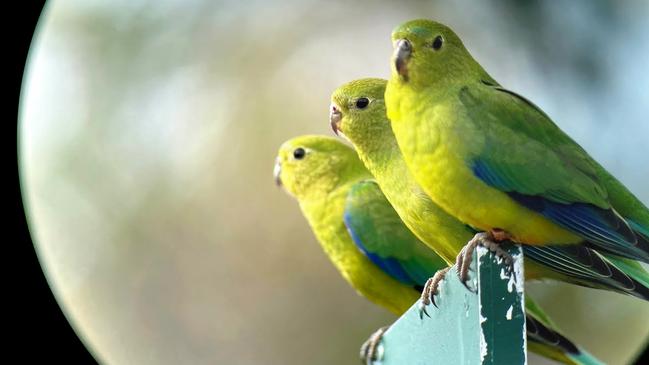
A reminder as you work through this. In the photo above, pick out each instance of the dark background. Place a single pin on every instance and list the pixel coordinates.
(41, 333)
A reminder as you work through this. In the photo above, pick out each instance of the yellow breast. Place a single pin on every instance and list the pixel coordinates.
(434, 152)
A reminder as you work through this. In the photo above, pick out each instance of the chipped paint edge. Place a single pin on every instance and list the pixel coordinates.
(519, 284)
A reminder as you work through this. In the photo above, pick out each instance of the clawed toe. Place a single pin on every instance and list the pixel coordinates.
(503, 255)
(430, 290)
(422, 310)
(370, 348)
(488, 240)
(464, 258)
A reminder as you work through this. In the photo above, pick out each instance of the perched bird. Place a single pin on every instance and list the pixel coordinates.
(320, 173)
(358, 113)
(367, 242)
(494, 160)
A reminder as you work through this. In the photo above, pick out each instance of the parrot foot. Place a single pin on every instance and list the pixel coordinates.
(430, 290)
(491, 240)
(371, 349)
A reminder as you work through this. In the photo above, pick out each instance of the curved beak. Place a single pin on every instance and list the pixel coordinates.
(335, 115)
(277, 172)
(401, 55)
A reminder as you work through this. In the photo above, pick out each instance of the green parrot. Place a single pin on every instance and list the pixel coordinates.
(494, 160)
(365, 239)
(358, 114)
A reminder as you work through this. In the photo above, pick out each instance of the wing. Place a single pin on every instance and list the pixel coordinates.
(527, 156)
(537, 158)
(379, 233)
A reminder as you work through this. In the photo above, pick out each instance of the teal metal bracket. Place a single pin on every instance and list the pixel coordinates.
(482, 327)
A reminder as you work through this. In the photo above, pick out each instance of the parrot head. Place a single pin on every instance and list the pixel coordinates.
(310, 166)
(358, 109)
(428, 53)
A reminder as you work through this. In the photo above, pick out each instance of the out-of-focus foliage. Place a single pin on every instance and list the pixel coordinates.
(148, 134)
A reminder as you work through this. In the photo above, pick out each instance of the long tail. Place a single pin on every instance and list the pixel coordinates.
(632, 268)
(587, 267)
(639, 229)
(544, 340)
(641, 232)
(585, 358)
(553, 345)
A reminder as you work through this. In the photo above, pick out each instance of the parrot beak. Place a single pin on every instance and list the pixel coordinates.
(401, 56)
(334, 118)
(277, 171)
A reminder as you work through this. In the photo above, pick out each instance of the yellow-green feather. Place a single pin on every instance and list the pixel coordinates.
(435, 147)
(322, 185)
(370, 132)
(325, 219)
(321, 182)
(439, 133)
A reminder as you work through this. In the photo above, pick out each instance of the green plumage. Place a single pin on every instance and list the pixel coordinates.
(369, 130)
(321, 182)
(533, 143)
(343, 204)
(380, 231)
(494, 160)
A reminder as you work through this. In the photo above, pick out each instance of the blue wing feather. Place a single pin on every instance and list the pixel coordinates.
(377, 230)
(602, 228)
(389, 265)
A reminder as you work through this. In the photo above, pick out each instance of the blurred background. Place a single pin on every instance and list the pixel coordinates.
(147, 139)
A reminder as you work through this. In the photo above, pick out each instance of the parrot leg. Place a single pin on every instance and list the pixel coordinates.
(370, 348)
(490, 240)
(430, 290)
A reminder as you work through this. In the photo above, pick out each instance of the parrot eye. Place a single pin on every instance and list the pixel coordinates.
(299, 153)
(362, 103)
(437, 43)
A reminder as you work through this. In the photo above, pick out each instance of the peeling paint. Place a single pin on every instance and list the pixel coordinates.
(517, 279)
(519, 275)
(483, 341)
(503, 276)
(510, 279)
(497, 331)
(520, 288)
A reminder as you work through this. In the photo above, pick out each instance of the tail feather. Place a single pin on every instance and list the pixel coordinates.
(545, 340)
(587, 267)
(552, 344)
(639, 229)
(641, 233)
(631, 268)
(584, 358)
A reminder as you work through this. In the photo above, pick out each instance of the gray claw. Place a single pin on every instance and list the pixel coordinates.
(422, 311)
(370, 349)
